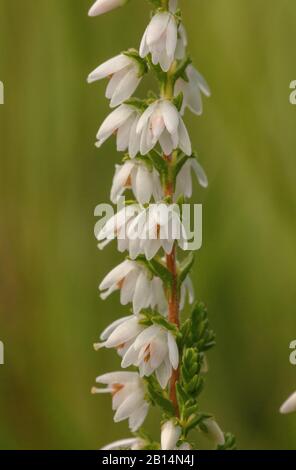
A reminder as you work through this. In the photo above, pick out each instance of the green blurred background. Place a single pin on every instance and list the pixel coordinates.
(52, 177)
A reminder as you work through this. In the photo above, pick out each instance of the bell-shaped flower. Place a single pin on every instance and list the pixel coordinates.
(136, 285)
(158, 226)
(116, 227)
(170, 434)
(135, 174)
(161, 122)
(184, 178)
(125, 73)
(132, 443)
(192, 90)
(289, 406)
(128, 397)
(160, 39)
(123, 122)
(214, 432)
(103, 6)
(154, 350)
(121, 334)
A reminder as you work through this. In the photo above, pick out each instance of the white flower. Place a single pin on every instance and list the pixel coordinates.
(154, 350)
(289, 406)
(135, 175)
(103, 6)
(214, 432)
(121, 334)
(158, 226)
(132, 443)
(161, 122)
(125, 72)
(116, 227)
(192, 90)
(123, 121)
(170, 434)
(128, 396)
(184, 179)
(160, 39)
(136, 286)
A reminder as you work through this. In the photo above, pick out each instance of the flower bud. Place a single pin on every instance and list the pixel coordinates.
(170, 434)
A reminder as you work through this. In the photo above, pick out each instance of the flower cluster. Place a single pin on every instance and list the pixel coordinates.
(167, 358)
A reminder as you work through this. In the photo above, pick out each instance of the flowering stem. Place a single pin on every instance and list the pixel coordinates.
(167, 93)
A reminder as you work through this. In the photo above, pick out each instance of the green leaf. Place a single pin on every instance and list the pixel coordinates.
(182, 159)
(158, 162)
(185, 267)
(181, 71)
(158, 397)
(230, 442)
(178, 101)
(137, 103)
(157, 268)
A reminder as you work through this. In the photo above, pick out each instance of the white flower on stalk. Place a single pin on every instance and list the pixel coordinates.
(136, 285)
(192, 90)
(125, 72)
(128, 397)
(132, 443)
(123, 122)
(103, 6)
(160, 39)
(289, 406)
(134, 174)
(121, 334)
(158, 226)
(214, 432)
(161, 122)
(184, 178)
(170, 434)
(116, 227)
(154, 350)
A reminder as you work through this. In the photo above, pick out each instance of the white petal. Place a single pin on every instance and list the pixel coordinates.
(103, 6)
(128, 406)
(109, 67)
(157, 26)
(117, 274)
(200, 173)
(123, 444)
(173, 351)
(116, 119)
(107, 332)
(170, 115)
(137, 418)
(126, 87)
(172, 36)
(123, 135)
(134, 139)
(214, 431)
(143, 184)
(163, 373)
(290, 405)
(170, 434)
(142, 293)
(117, 377)
(184, 142)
